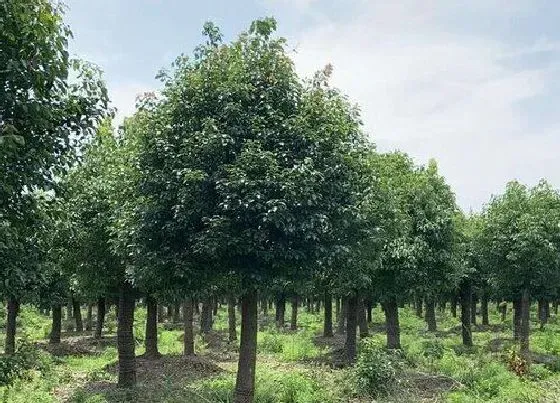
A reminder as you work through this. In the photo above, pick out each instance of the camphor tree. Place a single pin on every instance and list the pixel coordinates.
(521, 245)
(43, 116)
(237, 177)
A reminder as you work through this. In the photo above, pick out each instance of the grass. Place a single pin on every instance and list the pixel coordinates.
(291, 365)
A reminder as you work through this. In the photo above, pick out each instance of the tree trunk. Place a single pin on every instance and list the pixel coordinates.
(151, 341)
(484, 309)
(160, 313)
(337, 309)
(342, 317)
(503, 310)
(206, 316)
(352, 323)
(541, 309)
(100, 318)
(215, 306)
(327, 323)
(392, 324)
(555, 306)
(418, 307)
(245, 382)
(465, 296)
(13, 309)
(56, 324)
(176, 313)
(188, 336)
(473, 308)
(547, 309)
(125, 337)
(293, 319)
(369, 309)
(318, 306)
(516, 318)
(77, 309)
(524, 328)
(264, 305)
(431, 314)
(362, 320)
(89, 317)
(280, 311)
(454, 305)
(232, 323)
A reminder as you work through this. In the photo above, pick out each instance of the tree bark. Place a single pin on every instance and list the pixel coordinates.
(125, 337)
(473, 308)
(430, 315)
(392, 324)
(503, 310)
(454, 305)
(524, 328)
(484, 308)
(232, 322)
(362, 320)
(369, 309)
(555, 306)
(245, 382)
(516, 318)
(206, 316)
(342, 317)
(188, 336)
(337, 309)
(418, 306)
(77, 309)
(215, 306)
(160, 313)
(100, 318)
(280, 311)
(89, 317)
(56, 328)
(151, 341)
(465, 296)
(541, 309)
(176, 313)
(351, 325)
(264, 306)
(293, 318)
(13, 309)
(327, 323)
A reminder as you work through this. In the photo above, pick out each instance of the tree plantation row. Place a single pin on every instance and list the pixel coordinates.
(242, 184)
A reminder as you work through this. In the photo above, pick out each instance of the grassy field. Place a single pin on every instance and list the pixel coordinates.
(295, 366)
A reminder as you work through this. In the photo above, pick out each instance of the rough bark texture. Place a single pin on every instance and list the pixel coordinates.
(430, 316)
(466, 312)
(342, 317)
(13, 308)
(89, 317)
(524, 328)
(188, 335)
(293, 318)
(392, 324)
(484, 309)
(327, 323)
(245, 382)
(516, 318)
(232, 322)
(280, 311)
(56, 327)
(206, 316)
(362, 320)
(351, 324)
(369, 309)
(125, 337)
(100, 318)
(77, 309)
(151, 340)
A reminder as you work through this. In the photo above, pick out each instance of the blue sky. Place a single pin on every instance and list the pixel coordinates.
(474, 84)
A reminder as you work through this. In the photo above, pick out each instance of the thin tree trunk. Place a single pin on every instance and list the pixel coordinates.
(206, 316)
(13, 309)
(541, 309)
(100, 318)
(524, 328)
(484, 308)
(337, 309)
(431, 314)
(188, 336)
(89, 317)
(280, 311)
(245, 382)
(293, 319)
(392, 324)
(342, 317)
(56, 325)
(466, 291)
(151, 341)
(362, 320)
(454, 305)
(264, 305)
(351, 325)
(503, 310)
(125, 337)
(516, 318)
(369, 309)
(473, 308)
(327, 323)
(176, 313)
(555, 306)
(215, 306)
(77, 309)
(160, 313)
(418, 307)
(232, 322)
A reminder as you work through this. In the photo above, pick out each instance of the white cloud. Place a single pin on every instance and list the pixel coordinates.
(123, 98)
(434, 93)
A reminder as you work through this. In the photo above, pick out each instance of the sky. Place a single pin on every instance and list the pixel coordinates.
(473, 84)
